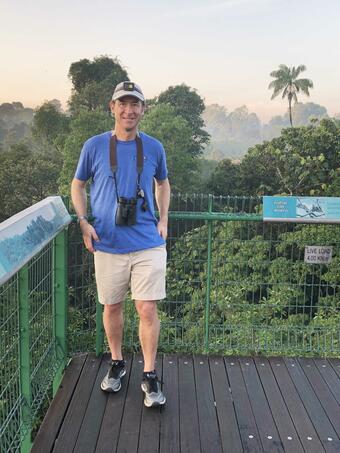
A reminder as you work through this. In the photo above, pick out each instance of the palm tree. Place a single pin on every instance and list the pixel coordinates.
(286, 81)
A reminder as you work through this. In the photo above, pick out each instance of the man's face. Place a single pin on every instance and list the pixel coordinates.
(127, 111)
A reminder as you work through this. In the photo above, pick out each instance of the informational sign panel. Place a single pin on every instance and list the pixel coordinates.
(316, 254)
(301, 209)
(26, 233)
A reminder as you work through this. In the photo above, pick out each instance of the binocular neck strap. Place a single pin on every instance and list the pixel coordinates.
(113, 159)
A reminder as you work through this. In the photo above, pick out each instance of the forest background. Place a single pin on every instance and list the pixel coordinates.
(293, 156)
(209, 149)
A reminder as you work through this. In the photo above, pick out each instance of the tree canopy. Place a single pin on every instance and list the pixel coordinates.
(26, 177)
(190, 106)
(302, 161)
(224, 179)
(49, 123)
(93, 82)
(174, 132)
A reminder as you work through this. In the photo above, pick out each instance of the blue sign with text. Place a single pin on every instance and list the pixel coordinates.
(301, 209)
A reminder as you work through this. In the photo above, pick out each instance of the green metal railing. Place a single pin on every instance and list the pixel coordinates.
(235, 285)
(33, 347)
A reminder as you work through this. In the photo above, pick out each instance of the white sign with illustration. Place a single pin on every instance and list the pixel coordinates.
(23, 235)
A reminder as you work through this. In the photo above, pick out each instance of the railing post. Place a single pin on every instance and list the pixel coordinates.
(208, 283)
(24, 360)
(60, 302)
(99, 328)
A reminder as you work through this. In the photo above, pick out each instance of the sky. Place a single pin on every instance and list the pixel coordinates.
(225, 49)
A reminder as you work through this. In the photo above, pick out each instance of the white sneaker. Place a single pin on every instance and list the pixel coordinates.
(153, 395)
(112, 380)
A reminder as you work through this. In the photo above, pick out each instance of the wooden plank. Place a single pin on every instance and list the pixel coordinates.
(129, 430)
(51, 424)
(329, 376)
(109, 432)
(336, 365)
(265, 424)
(207, 415)
(149, 432)
(248, 430)
(285, 426)
(308, 436)
(188, 416)
(169, 436)
(321, 389)
(90, 428)
(315, 410)
(67, 437)
(229, 432)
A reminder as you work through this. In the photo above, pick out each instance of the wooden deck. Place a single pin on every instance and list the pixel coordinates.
(214, 404)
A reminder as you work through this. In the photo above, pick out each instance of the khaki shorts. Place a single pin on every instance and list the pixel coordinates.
(144, 271)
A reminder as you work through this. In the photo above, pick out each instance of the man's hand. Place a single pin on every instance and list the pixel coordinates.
(89, 235)
(162, 228)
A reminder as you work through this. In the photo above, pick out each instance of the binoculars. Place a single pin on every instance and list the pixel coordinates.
(126, 211)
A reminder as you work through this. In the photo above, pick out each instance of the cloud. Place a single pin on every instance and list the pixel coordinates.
(201, 10)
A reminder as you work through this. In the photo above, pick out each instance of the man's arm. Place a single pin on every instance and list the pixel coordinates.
(162, 193)
(79, 200)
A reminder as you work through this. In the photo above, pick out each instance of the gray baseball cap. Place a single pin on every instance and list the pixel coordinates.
(128, 89)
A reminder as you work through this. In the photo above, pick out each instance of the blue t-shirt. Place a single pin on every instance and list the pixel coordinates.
(94, 163)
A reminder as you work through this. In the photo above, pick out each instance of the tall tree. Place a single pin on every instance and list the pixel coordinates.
(163, 123)
(50, 124)
(286, 82)
(190, 106)
(93, 82)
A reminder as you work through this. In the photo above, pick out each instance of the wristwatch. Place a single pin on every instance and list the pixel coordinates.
(81, 217)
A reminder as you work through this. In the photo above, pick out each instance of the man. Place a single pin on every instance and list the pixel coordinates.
(127, 241)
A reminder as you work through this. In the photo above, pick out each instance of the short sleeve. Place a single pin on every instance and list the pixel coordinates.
(84, 167)
(162, 170)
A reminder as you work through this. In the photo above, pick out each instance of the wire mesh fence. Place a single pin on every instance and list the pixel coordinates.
(28, 350)
(234, 284)
(82, 295)
(10, 395)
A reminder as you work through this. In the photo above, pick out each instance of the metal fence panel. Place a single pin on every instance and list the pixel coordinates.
(28, 351)
(234, 284)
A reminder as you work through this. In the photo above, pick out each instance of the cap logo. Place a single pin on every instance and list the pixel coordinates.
(129, 86)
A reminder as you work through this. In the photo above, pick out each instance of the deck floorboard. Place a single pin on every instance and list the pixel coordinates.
(214, 404)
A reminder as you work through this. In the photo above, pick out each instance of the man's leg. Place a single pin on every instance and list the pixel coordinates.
(148, 335)
(147, 287)
(113, 325)
(112, 277)
(148, 331)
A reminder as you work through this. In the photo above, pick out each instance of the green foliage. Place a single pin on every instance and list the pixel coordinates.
(83, 126)
(25, 178)
(190, 106)
(174, 132)
(50, 124)
(302, 161)
(224, 180)
(94, 82)
(263, 296)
